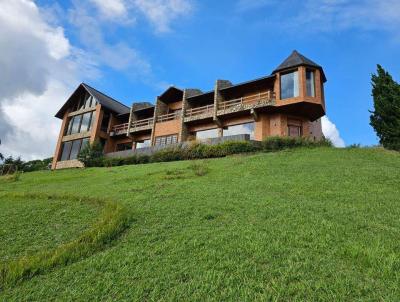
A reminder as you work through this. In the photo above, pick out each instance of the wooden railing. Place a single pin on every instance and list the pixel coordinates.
(168, 117)
(247, 100)
(199, 110)
(142, 123)
(118, 129)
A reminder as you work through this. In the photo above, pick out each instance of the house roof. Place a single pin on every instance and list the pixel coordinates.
(141, 106)
(171, 94)
(297, 59)
(103, 99)
(249, 82)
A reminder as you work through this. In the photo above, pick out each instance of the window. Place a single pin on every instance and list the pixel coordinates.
(105, 121)
(310, 83)
(69, 128)
(85, 142)
(66, 150)
(85, 125)
(85, 101)
(290, 85)
(76, 122)
(124, 146)
(247, 128)
(71, 149)
(81, 123)
(205, 134)
(166, 140)
(294, 128)
(143, 144)
(76, 147)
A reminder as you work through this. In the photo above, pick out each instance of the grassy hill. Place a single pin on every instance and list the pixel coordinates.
(311, 224)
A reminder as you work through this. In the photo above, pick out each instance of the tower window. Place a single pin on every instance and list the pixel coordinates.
(310, 83)
(290, 85)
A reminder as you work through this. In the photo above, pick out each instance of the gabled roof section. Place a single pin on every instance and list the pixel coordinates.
(255, 81)
(297, 59)
(103, 99)
(141, 105)
(171, 94)
(106, 101)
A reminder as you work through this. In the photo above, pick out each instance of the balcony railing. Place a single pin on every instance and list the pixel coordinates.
(168, 117)
(247, 100)
(142, 123)
(199, 110)
(120, 129)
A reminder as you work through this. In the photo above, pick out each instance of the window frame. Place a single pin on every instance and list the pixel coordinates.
(296, 92)
(311, 81)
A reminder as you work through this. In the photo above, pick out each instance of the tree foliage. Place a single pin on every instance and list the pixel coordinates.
(91, 154)
(385, 118)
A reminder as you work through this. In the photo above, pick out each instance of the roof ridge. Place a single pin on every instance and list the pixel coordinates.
(84, 84)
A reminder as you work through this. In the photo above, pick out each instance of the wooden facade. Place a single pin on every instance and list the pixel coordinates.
(289, 102)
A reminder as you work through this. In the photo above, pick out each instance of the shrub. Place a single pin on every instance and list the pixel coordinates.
(197, 150)
(233, 147)
(277, 143)
(168, 154)
(91, 155)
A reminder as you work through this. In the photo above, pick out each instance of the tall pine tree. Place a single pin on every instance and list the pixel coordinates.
(385, 118)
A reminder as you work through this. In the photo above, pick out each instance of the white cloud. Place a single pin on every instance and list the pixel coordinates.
(329, 15)
(118, 56)
(36, 73)
(331, 132)
(111, 8)
(40, 68)
(161, 13)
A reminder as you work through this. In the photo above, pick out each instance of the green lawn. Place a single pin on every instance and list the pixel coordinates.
(29, 225)
(311, 224)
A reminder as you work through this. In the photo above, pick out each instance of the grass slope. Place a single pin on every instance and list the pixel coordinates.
(29, 225)
(319, 224)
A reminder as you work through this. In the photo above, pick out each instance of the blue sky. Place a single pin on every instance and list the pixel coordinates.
(133, 49)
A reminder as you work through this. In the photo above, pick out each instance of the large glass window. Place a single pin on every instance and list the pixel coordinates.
(76, 146)
(85, 125)
(290, 85)
(205, 134)
(76, 122)
(105, 121)
(81, 123)
(143, 144)
(66, 150)
(71, 149)
(124, 146)
(247, 128)
(85, 101)
(166, 140)
(310, 83)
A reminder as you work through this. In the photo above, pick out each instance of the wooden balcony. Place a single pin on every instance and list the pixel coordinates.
(168, 117)
(119, 129)
(258, 100)
(199, 113)
(140, 125)
(145, 124)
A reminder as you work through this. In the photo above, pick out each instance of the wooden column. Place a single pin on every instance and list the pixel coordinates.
(58, 151)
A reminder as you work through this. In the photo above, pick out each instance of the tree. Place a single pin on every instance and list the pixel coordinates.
(385, 118)
(91, 155)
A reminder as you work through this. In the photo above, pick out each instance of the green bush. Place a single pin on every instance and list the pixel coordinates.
(233, 147)
(196, 150)
(168, 154)
(91, 155)
(277, 143)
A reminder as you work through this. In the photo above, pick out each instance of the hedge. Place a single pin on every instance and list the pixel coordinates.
(196, 150)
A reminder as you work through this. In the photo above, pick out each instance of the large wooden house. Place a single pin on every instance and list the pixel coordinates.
(289, 102)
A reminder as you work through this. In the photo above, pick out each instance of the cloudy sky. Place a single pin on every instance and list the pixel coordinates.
(133, 49)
